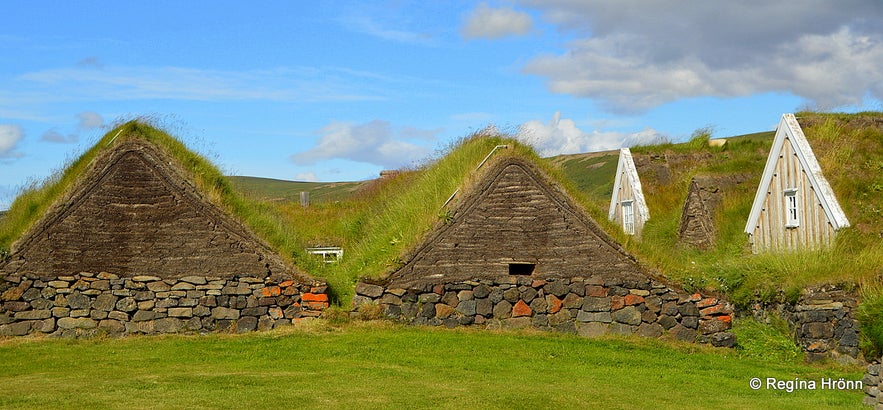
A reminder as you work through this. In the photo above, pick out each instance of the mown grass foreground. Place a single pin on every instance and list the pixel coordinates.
(379, 365)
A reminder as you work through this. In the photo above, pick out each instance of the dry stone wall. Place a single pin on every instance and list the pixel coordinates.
(86, 304)
(587, 306)
(824, 323)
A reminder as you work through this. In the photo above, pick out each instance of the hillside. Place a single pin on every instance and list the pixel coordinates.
(277, 190)
(850, 150)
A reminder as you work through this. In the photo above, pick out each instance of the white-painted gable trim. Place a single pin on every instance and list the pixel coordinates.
(626, 165)
(788, 127)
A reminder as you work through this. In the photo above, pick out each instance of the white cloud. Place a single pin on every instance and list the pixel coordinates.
(492, 23)
(114, 83)
(374, 142)
(562, 136)
(89, 120)
(634, 55)
(10, 135)
(306, 177)
(54, 136)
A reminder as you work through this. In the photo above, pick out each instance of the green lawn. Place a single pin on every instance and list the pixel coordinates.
(379, 365)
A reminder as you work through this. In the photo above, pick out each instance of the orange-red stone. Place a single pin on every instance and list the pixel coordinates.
(314, 297)
(631, 300)
(521, 309)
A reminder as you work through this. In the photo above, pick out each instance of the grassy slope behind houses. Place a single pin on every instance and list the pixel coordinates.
(849, 148)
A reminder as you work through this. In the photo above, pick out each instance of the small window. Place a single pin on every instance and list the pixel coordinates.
(628, 217)
(791, 220)
(521, 268)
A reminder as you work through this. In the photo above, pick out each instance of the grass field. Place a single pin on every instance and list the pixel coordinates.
(380, 365)
(278, 190)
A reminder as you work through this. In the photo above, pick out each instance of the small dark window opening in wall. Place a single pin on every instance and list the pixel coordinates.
(521, 268)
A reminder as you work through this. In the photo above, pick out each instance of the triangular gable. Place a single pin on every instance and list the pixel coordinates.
(789, 130)
(134, 211)
(627, 186)
(513, 222)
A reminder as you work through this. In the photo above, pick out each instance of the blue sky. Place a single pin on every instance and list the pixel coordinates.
(340, 90)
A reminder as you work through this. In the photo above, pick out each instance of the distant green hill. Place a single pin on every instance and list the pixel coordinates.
(280, 190)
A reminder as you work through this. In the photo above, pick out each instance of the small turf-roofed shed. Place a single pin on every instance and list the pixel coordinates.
(627, 205)
(135, 209)
(795, 207)
(514, 221)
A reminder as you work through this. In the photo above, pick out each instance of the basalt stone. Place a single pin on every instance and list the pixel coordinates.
(650, 330)
(817, 330)
(572, 301)
(429, 298)
(427, 310)
(517, 323)
(628, 315)
(143, 315)
(539, 305)
(222, 313)
(450, 299)
(512, 295)
(502, 310)
(98, 314)
(561, 317)
(390, 299)
(443, 311)
(622, 328)
(577, 288)
(76, 323)
(165, 303)
(603, 317)
(667, 322)
(558, 288)
(465, 295)
(467, 307)
(540, 321)
(77, 300)
(183, 286)
(16, 306)
(104, 302)
(592, 329)
(181, 312)
(690, 322)
(688, 309)
(723, 339)
(45, 326)
(481, 291)
(168, 325)
(246, 324)
(680, 332)
(41, 303)
(15, 329)
(31, 294)
(409, 310)
(647, 315)
(528, 294)
(126, 304)
(369, 290)
(566, 327)
(112, 326)
(496, 296)
(670, 309)
(596, 304)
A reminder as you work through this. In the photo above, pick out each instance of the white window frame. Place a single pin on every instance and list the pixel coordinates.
(628, 217)
(792, 210)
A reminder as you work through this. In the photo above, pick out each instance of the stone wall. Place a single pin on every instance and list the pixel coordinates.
(587, 306)
(872, 385)
(87, 304)
(824, 324)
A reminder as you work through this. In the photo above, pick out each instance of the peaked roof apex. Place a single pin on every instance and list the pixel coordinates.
(789, 128)
(627, 164)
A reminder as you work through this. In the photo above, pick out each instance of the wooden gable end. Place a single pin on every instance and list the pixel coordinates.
(627, 205)
(794, 207)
